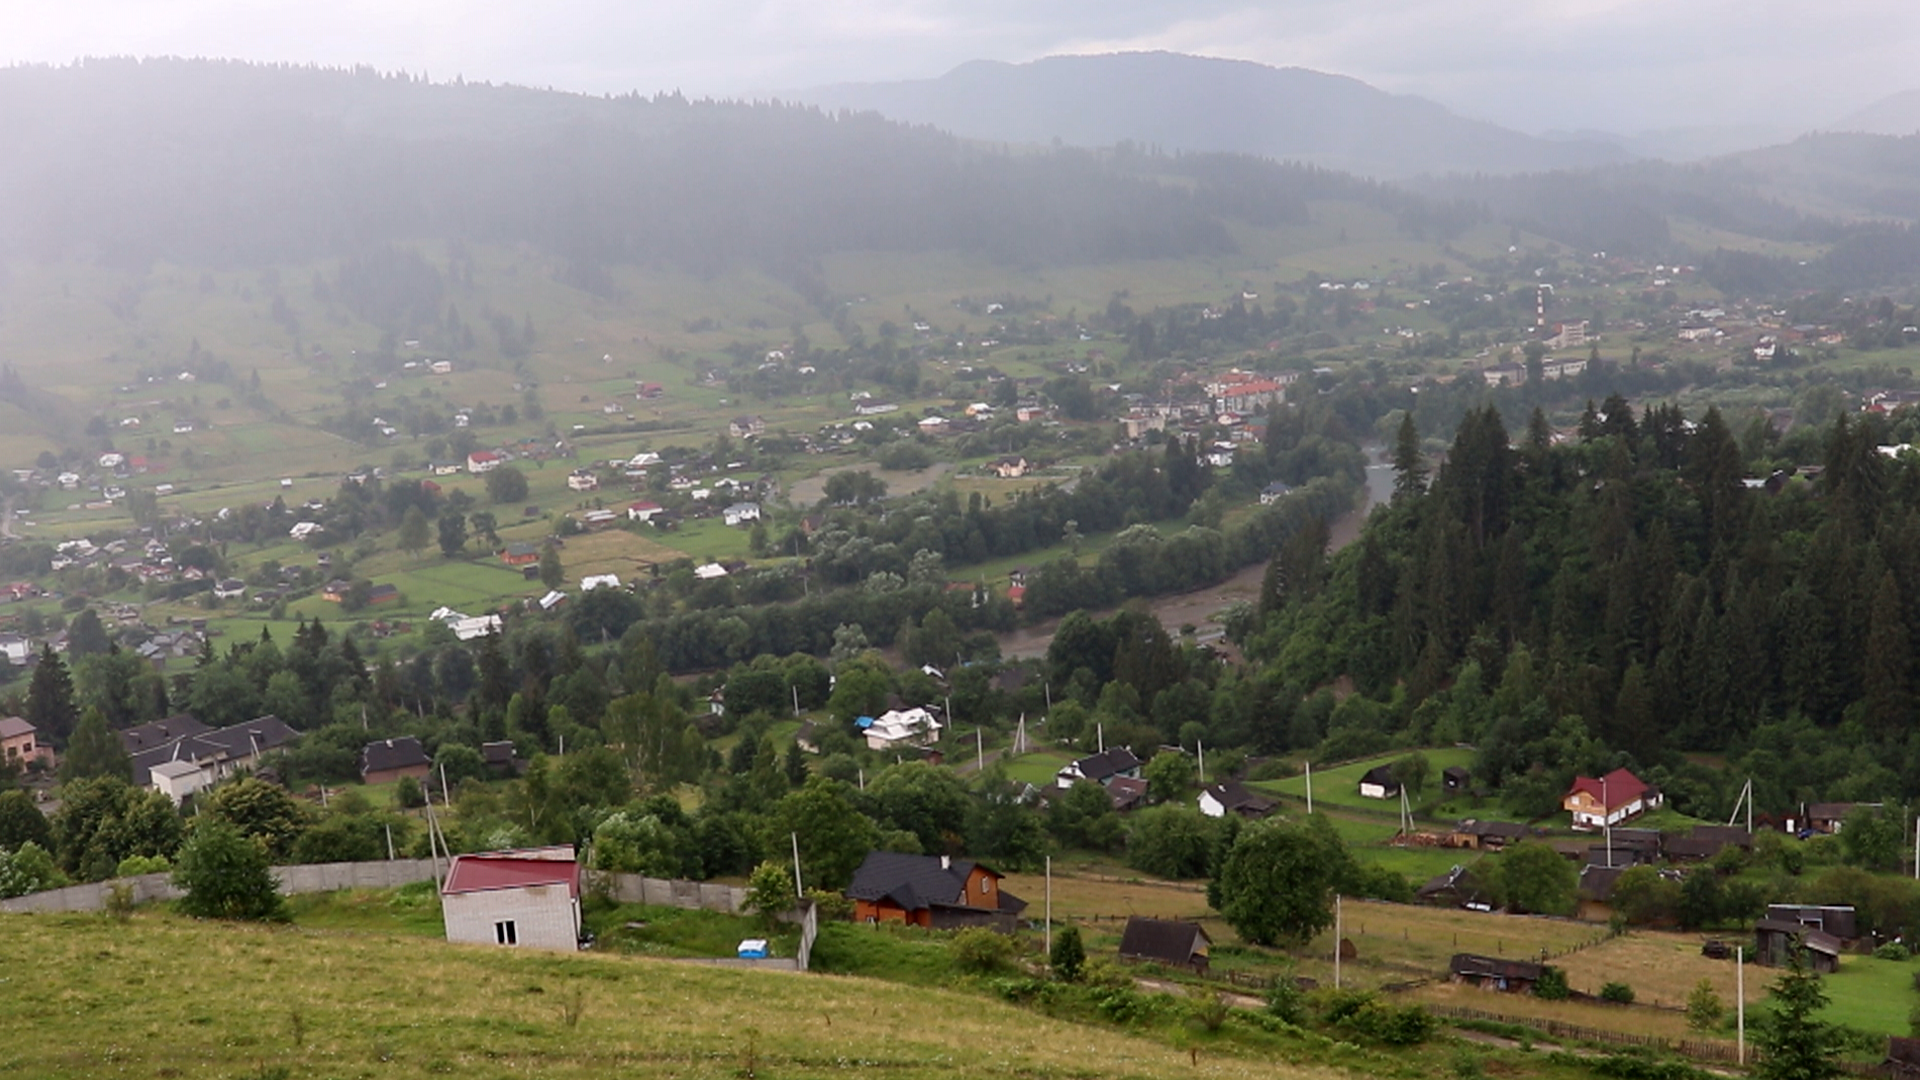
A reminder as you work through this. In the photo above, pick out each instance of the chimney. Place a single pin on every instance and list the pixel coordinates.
(946, 862)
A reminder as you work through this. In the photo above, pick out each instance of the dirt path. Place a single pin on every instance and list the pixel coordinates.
(1200, 607)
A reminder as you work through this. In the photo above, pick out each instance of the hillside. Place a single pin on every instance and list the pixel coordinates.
(364, 1004)
(1194, 103)
(1895, 114)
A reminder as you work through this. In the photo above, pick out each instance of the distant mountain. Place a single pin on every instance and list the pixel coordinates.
(1192, 103)
(1895, 114)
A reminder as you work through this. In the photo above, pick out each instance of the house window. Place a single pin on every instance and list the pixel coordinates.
(983, 886)
(505, 934)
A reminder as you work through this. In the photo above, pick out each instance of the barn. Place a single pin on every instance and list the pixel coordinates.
(528, 897)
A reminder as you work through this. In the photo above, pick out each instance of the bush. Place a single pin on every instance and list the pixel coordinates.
(226, 875)
(1552, 985)
(1704, 1009)
(1618, 993)
(408, 793)
(1211, 1012)
(1892, 950)
(1068, 956)
(833, 906)
(135, 865)
(1286, 1002)
(1362, 1013)
(981, 951)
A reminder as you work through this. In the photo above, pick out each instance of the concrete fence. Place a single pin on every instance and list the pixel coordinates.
(294, 880)
(661, 892)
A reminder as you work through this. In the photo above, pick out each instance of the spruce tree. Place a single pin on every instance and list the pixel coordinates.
(1409, 464)
(95, 751)
(50, 706)
(1887, 665)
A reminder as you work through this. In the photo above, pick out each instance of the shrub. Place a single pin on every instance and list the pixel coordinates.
(1211, 1012)
(1068, 956)
(1618, 993)
(1364, 1014)
(135, 865)
(1892, 950)
(981, 951)
(409, 793)
(226, 875)
(1285, 1001)
(833, 906)
(1552, 985)
(1704, 1009)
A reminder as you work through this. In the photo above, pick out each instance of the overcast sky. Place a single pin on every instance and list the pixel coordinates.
(1620, 65)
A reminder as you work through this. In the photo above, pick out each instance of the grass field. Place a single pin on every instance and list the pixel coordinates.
(1662, 969)
(1340, 786)
(1867, 993)
(351, 1004)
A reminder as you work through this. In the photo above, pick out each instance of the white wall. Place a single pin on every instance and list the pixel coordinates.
(544, 916)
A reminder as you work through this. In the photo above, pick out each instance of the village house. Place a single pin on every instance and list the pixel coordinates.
(1099, 768)
(483, 461)
(1273, 493)
(386, 760)
(898, 728)
(582, 480)
(520, 555)
(643, 511)
(1454, 780)
(20, 745)
(872, 407)
(1609, 800)
(528, 897)
(1010, 468)
(1775, 939)
(1456, 888)
(1169, 942)
(1232, 797)
(1486, 835)
(741, 513)
(932, 891)
(746, 427)
(183, 764)
(1127, 793)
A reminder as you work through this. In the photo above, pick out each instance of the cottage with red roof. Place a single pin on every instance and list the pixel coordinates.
(483, 461)
(1615, 797)
(529, 897)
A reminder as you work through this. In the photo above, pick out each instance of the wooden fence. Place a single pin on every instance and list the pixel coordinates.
(1698, 1049)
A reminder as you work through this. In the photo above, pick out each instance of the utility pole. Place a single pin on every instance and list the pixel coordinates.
(1740, 997)
(1049, 934)
(797, 889)
(1309, 787)
(1606, 820)
(1337, 923)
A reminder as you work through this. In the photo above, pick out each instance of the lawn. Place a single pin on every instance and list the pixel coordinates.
(1867, 993)
(1662, 969)
(1340, 786)
(1036, 767)
(353, 1003)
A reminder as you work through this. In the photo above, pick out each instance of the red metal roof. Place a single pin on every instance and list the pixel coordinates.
(480, 873)
(1614, 790)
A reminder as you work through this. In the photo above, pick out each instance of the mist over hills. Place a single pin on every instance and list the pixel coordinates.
(1192, 103)
(1895, 114)
(224, 163)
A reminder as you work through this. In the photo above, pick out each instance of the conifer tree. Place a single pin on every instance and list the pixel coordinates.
(1409, 464)
(50, 705)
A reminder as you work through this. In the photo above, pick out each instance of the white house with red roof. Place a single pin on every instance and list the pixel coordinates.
(483, 461)
(643, 511)
(528, 898)
(1613, 798)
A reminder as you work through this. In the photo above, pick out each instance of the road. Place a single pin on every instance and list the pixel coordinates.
(1199, 607)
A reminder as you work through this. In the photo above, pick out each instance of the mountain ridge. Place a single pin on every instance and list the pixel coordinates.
(1180, 102)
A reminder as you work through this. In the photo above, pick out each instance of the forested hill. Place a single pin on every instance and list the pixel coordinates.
(219, 163)
(1199, 103)
(1626, 596)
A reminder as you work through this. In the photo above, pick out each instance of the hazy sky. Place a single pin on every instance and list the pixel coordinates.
(1621, 65)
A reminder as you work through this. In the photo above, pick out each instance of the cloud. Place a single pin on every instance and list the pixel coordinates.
(1619, 64)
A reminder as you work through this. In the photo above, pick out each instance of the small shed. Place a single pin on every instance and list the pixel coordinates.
(527, 897)
(1379, 783)
(1775, 939)
(1492, 973)
(1166, 941)
(1454, 779)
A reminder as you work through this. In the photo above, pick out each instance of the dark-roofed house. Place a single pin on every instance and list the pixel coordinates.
(1775, 939)
(1232, 797)
(1594, 897)
(520, 555)
(214, 755)
(161, 732)
(1127, 792)
(1704, 842)
(1831, 817)
(1491, 973)
(502, 759)
(1487, 835)
(1454, 779)
(1455, 888)
(933, 891)
(1100, 767)
(529, 897)
(386, 760)
(1170, 942)
(1840, 920)
(1379, 783)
